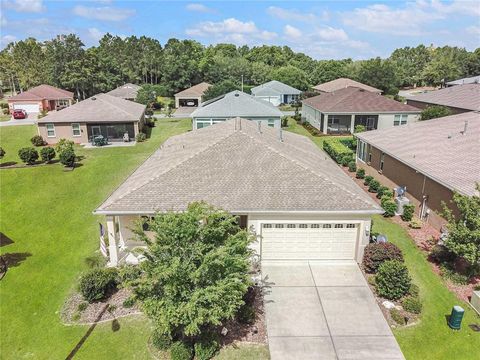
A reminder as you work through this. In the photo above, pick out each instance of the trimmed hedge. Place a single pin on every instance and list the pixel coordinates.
(381, 190)
(373, 186)
(376, 254)
(96, 284)
(408, 211)
(37, 140)
(392, 280)
(360, 174)
(337, 149)
(367, 180)
(28, 155)
(67, 157)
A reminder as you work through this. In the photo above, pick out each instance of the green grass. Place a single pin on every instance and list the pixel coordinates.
(4, 117)
(431, 338)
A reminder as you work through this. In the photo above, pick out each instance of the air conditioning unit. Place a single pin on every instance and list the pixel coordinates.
(401, 201)
(475, 301)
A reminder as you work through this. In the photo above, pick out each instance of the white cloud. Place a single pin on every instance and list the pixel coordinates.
(474, 30)
(292, 32)
(291, 14)
(463, 7)
(104, 13)
(95, 34)
(331, 34)
(199, 8)
(231, 29)
(7, 39)
(34, 6)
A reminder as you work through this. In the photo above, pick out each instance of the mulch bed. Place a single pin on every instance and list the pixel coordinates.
(97, 311)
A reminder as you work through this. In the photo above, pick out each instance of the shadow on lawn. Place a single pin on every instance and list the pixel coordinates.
(15, 259)
(5, 240)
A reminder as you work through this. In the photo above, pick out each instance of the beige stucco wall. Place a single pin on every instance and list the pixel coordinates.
(385, 121)
(63, 131)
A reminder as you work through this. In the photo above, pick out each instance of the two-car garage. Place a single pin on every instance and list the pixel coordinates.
(28, 107)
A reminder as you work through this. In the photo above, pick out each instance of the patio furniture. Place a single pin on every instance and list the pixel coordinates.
(99, 140)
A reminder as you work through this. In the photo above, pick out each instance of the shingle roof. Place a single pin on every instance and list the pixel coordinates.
(237, 103)
(100, 108)
(342, 83)
(436, 148)
(43, 92)
(235, 166)
(351, 100)
(274, 87)
(195, 90)
(469, 80)
(460, 96)
(126, 91)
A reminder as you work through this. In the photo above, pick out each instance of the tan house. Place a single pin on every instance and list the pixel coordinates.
(342, 83)
(432, 158)
(102, 114)
(127, 91)
(41, 98)
(191, 97)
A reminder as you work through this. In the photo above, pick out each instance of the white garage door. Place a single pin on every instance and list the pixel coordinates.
(322, 241)
(275, 100)
(29, 108)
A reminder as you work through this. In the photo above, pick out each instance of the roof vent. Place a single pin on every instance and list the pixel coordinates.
(465, 127)
(93, 98)
(237, 94)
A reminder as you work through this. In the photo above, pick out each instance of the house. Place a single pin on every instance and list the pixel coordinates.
(298, 202)
(233, 104)
(432, 158)
(191, 97)
(469, 80)
(343, 83)
(340, 111)
(459, 98)
(101, 114)
(41, 98)
(276, 92)
(127, 91)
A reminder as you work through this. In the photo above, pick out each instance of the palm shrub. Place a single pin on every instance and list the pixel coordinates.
(408, 211)
(392, 280)
(97, 283)
(352, 166)
(28, 155)
(360, 173)
(376, 254)
(180, 350)
(367, 180)
(67, 157)
(373, 186)
(37, 140)
(47, 154)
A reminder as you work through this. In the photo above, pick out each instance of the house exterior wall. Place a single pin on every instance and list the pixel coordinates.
(385, 121)
(42, 104)
(423, 105)
(63, 131)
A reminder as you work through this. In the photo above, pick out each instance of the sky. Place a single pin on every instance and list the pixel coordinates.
(321, 29)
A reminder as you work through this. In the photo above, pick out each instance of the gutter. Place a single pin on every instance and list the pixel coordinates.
(304, 212)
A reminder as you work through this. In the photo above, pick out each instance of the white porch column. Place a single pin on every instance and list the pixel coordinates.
(177, 102)
(112, 241)
(352, 124)
(121, 236)
(325, 123)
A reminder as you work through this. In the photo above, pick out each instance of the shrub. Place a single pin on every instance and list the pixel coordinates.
(67, 157)
(129, 302)
(206, 347)
(414, 290)
(371, 280)
(373, 186)
(442, 255)
(82, 306)
(352, 166)
(392, 280)
(397, 316)
(161, 340)
(412, 304)
(435, 111)
(28, 155)
(453, 276)
(141, 137)
(63, 144)
(37, 140)
(408, 211)
(95, 261)
(47, 153)
(360, 173)
(346, 159)
(246, 314)
(285, 121)
(337, 149)
(181, 351)
(129, 273)
(415, 223)
(389, 206)
(377, 253)
(359, 129)
(367, 180)
(2, 153)
(381, 190)
(96, 284)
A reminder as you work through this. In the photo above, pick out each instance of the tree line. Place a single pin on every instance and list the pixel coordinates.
(65, 62)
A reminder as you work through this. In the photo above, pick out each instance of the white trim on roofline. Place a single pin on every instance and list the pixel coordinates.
(273, 212)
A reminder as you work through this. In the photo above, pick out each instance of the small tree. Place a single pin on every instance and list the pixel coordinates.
(37, 140)
(28, 155)
(408, 211)
(360, 173)
(359, 129)
(67, 157)
(464, 232)
(47, 154)
(392, 280)
(434, 111)
(2, 153)
(63, 144)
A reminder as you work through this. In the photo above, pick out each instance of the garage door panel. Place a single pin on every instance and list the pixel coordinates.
(27, 107)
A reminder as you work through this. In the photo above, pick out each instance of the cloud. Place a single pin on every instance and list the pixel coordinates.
(474, 30)
(232, 30)
(199, 8)
(291, 14)
(331, 34)
(462, 7)
(35, 6)
(6, 39)
(292, 32)
(95, 34)
(103, 13)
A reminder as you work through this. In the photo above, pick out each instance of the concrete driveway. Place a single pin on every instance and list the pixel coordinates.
(323, 310)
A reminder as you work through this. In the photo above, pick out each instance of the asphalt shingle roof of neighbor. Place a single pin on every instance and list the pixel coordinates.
(342, 83)
(460, 96)
(469, 80)
(240, 167)
(126, 91)
(41, 92)
(195, 90)
(352, 99)
(437, 148)
(274, 87)
(237, 103)
(101, 108)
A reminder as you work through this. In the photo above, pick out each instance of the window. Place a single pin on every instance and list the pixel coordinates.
(351, 226)
(362, 151)
(315, 226)
(303, 226)
(267, 226)
(291, 226)
(400, 119)
(271, 122)
(382, 158)
(327, 226)
(62, 102)
(76, 130)
(338, 226)
(50, 130)
(278, 226)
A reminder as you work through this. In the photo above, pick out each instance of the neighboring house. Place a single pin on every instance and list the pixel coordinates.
(469, 80)
(343, 83)
(276, 92)
(296, 200)
(233, 104)
(101, 114)
(191, 97)
(342, 110)
(459, 98)
(127, 92)
(432, 158)
(41, 98)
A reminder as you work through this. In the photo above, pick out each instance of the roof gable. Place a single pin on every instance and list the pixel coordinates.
(43, 92)
(342, 83)
(195, 90)
(276, 88)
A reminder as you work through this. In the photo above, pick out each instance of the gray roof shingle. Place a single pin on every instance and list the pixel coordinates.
(235, 166)
(436, 148)
(195, 90)
(126, 91)
(459, 96)
(273, 88)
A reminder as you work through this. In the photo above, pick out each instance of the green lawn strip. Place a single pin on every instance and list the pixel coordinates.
(431, 338)
(4, 117)
(47, 213)
(244, 352)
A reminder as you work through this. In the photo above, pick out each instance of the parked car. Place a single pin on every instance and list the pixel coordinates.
(19, 114)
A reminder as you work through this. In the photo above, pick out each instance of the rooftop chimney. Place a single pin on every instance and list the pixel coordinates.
(465, 127)
(259, 124)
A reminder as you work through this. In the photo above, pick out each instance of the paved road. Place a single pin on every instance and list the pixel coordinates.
(18, 122)
(324, 310)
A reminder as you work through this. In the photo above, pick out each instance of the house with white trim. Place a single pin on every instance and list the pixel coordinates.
(276, 92)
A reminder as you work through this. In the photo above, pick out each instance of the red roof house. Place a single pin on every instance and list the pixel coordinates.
(40, 98)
